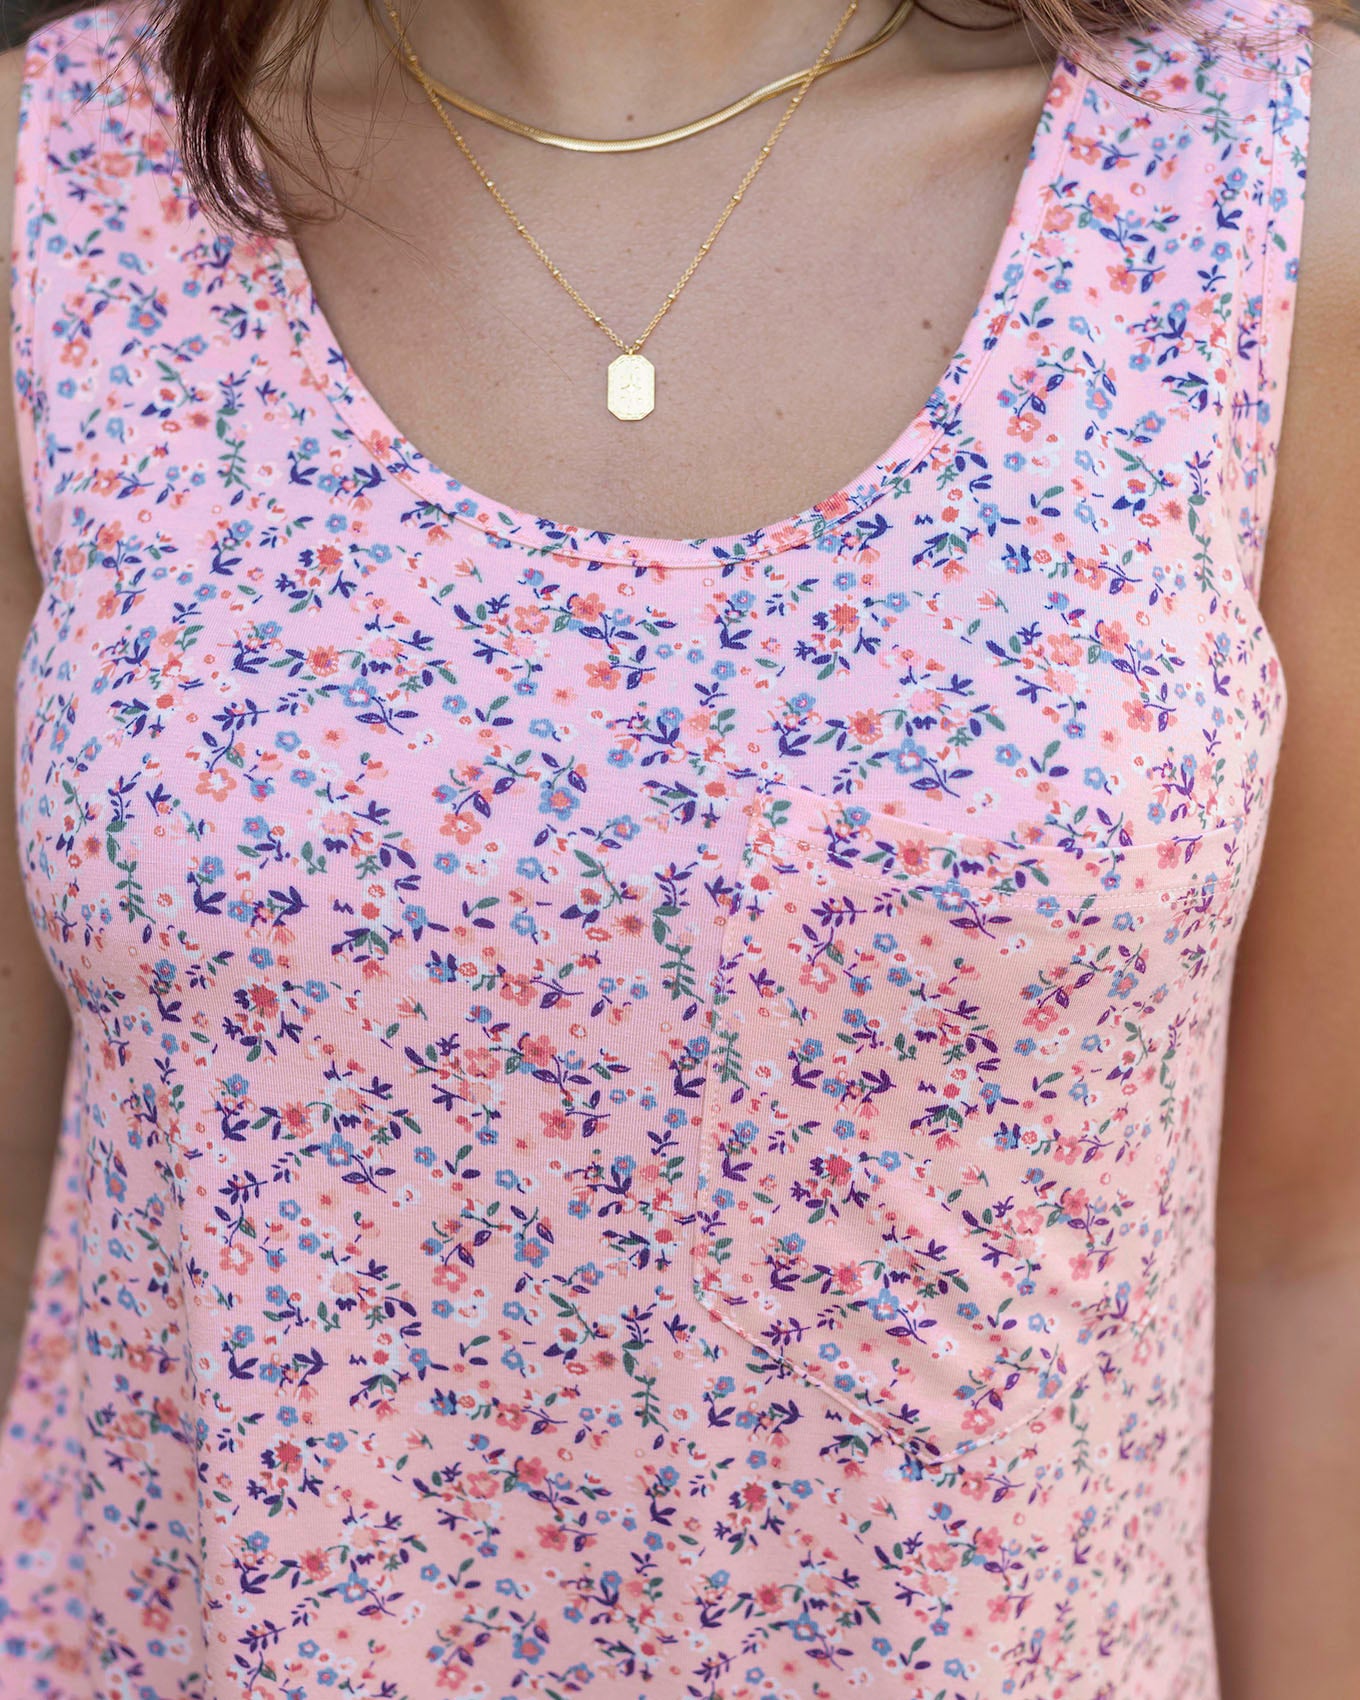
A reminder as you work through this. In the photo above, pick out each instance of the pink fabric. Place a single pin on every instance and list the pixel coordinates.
(643, 1113)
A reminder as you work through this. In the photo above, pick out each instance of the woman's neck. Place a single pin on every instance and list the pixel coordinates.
(611, 66)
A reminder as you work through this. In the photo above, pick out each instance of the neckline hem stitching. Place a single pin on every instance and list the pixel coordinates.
(364, 418)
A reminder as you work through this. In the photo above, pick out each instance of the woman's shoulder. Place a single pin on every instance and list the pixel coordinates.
(91, 46)
(94, 130)
(19, 578)
(1335, 76)
(91, 100)
(76, 68)
(85, 142)
(1325, 382)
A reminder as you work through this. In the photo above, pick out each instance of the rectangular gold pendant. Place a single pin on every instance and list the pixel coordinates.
(631, 392)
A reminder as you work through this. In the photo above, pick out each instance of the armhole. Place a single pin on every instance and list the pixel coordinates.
(31, 221)
(1269, 280)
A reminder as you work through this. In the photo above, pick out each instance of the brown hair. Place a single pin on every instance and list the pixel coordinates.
(217, 56)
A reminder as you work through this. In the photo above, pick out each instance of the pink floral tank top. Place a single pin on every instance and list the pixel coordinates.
(642, 1113)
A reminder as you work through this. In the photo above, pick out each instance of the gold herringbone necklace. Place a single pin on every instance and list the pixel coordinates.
(630, 388)
(660, 138)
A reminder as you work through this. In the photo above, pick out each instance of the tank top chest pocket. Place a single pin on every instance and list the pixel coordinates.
(938, 1148)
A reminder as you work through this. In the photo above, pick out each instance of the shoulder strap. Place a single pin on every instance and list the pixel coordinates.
(31, 232)
(89, 142)
(1226, 90)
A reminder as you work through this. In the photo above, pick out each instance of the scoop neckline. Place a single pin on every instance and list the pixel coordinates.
(506, 526)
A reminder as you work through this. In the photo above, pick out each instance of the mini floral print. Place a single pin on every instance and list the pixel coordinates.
(642, 1113)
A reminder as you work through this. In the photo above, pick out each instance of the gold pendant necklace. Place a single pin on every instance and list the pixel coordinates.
(660, 138)
(630, 386)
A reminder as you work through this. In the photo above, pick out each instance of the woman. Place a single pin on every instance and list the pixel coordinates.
(644, 1088)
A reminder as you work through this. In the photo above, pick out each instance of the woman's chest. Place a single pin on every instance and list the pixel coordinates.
(866, 918)
(363, 705)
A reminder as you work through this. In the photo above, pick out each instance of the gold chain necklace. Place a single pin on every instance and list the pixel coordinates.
(637, 144)
(630, 389)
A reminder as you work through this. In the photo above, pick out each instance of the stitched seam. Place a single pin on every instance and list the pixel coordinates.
(1040, 888)
(1265, 261)
(415, 468)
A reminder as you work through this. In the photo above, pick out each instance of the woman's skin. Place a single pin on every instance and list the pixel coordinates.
(864, 246)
